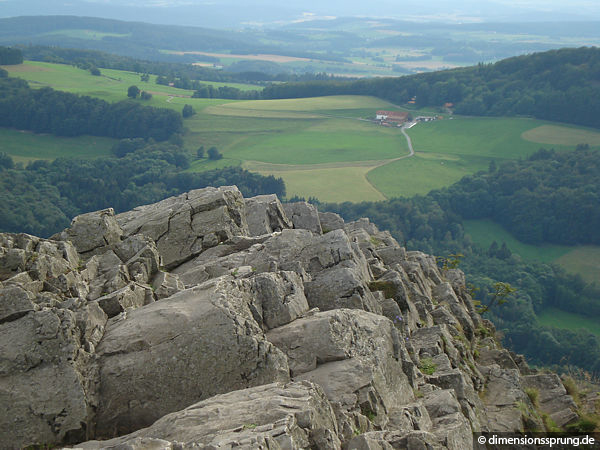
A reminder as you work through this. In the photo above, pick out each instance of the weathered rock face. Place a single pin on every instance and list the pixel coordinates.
(293, 416)
(214, 321)
(184, 226)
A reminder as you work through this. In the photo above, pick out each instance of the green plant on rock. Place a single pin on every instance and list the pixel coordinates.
(375, 241)
(368, 413)
(499, 297)
(550, 424)
(427, 366)
(452, 261)
(586, 424)
(533, 395)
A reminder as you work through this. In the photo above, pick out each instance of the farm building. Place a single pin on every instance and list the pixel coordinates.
(392, 116)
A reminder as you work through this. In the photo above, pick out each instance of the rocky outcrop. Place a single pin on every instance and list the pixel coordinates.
(215, 321)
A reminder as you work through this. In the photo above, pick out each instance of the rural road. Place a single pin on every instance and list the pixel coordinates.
(409, 142)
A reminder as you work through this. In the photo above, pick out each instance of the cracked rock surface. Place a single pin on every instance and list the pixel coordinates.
(208, 320)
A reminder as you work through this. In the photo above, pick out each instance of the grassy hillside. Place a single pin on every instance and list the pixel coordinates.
(484, 232)
(24, 146)
(582, 260)
(322, 147)
(110, 86)
(562, 319)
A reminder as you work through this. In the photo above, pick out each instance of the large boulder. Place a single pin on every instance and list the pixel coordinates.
(264, 214)
(273, 416)
(184, 226)
(304, 216)
(46, 382)
(167, 355)
(92, 231)
(552, 397)
(355, 356)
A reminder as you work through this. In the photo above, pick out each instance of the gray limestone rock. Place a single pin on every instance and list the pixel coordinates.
(129, 297)
(272, 416)
(386, 350)
(42, 383)
(304, 216)
(553, 398)
(330, 221)
(184, 226)
(166, 284)
(353, 355)
(198, 343)
(342, 286)
(15, 302)
(265, 214)
(444, 294)
(92, 231)
(395, 440)
(501, 357)
(280, 296)
(502, 397)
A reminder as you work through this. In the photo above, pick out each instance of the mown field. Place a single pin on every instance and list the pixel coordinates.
(111, 85)
(322, 147)
(583, 260)
(24, 146)
(558, 318)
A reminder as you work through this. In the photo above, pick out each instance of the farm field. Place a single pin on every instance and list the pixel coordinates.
(322, 147)
(583, 260)
(111, 85)
(485, 231)
(562, 319)
(24, 146)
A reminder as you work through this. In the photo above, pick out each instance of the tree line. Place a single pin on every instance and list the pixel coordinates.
(180, 74)
(44, 196)
(551, 197)
(10, 56)
(46, 110)
(560, 85)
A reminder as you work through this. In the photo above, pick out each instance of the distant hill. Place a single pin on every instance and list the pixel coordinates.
(560, 85)
(137, 39)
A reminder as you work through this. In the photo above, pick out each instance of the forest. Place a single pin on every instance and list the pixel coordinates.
(10, 56)
(46, 110)
(560, 85)
(550, 197)
(433, 224)
(42, 197)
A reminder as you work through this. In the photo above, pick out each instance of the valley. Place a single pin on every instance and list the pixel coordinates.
(327, 148)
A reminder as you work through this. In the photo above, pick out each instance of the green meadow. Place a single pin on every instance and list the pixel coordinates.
(24, 146)
(558, 318)
(485, 231)
(583, 260)
(111, 85)
(322, 147)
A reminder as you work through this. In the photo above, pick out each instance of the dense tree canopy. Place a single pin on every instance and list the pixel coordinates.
(550, 197)
(10, 56)
(48, 111)
(561, 85)
(42, 198)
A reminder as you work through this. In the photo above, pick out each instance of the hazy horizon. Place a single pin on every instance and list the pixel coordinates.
(237, 13)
